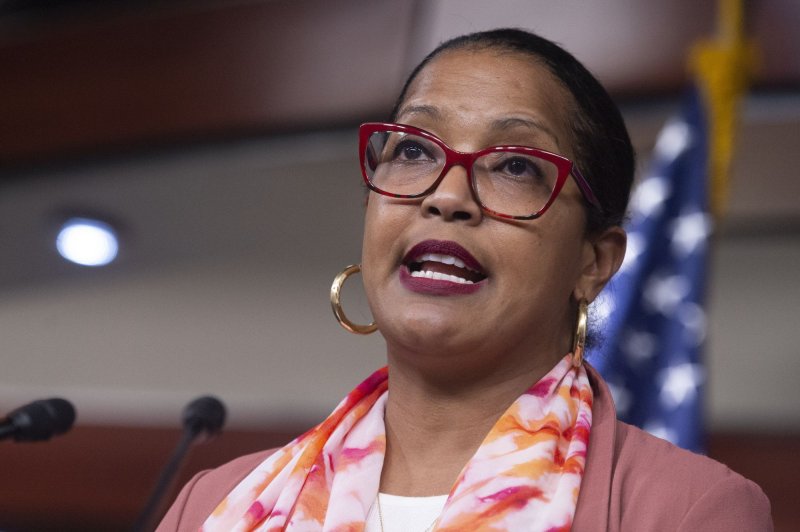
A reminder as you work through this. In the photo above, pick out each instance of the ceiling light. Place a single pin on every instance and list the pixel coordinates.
(87, 242)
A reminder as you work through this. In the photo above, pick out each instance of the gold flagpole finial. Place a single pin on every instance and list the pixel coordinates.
(722, 68)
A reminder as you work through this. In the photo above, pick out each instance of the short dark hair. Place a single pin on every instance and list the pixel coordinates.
(602, 147)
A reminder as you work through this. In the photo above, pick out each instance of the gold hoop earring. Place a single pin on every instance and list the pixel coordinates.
(336, 303)
(579, 341)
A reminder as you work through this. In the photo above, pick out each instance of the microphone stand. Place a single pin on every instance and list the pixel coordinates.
(203, 415)
(165, 480)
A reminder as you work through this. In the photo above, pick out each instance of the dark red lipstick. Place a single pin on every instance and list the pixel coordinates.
(441, 267)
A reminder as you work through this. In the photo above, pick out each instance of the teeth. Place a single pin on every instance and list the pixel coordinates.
(444, 259)
(440, 276)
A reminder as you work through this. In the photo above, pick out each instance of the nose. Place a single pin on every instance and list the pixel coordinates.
(453, 198)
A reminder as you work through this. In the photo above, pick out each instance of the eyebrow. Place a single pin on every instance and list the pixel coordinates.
(427, 110)
(535, 125)
(498, 125)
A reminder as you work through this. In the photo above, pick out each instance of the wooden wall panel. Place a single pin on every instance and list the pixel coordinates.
(99, 478)
(773, 462)
(189, 72)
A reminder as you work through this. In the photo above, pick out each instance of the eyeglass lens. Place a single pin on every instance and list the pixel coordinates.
(509, 182)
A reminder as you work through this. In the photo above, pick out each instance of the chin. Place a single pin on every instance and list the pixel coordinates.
(427, 332)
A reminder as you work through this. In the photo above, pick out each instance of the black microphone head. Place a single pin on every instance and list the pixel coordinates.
(204, 414)
(62, 412)
(42, 419)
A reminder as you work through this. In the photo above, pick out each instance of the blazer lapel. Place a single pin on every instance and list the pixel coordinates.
(594, 501)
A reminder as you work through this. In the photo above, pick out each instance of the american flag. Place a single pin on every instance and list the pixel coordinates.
(652, 320)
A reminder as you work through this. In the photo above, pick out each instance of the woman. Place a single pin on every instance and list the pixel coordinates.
(478, 262)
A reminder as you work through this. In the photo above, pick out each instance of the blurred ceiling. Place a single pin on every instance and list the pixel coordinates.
(98, 97)
(86, 77)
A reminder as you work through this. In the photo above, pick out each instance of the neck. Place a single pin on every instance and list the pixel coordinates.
(436, 420)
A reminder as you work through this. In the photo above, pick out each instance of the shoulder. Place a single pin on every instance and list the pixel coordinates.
(635, 481)
(657, 482)
(200, 496)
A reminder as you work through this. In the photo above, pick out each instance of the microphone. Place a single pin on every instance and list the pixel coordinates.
(39, 420)
(204, 417)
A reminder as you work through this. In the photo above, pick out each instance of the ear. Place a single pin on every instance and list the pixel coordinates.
(601, 258)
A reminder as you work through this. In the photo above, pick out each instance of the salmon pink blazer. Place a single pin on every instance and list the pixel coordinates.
(633, 482)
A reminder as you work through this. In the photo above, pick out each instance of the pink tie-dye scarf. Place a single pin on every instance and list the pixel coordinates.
(525, 476)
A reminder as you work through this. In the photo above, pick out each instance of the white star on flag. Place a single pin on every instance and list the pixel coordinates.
(689, 231)
(634, 248)
(663, 293)
(693, 318)
(673, 140)
(659, 430)
(638, 346)
(649, 197)
(679, 383)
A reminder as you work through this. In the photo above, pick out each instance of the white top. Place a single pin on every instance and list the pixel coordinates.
(405, 514)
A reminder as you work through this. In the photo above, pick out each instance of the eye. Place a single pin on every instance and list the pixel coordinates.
(410, 150)
(518, 166)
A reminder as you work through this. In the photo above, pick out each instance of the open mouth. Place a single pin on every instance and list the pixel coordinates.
(443, 261)
(444, 268)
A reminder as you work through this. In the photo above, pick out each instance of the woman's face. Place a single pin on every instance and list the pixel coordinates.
(521, 311)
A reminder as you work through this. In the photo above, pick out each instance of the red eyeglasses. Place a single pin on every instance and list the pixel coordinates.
(516, 182)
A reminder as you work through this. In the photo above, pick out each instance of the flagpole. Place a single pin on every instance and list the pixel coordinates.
(722, 68)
